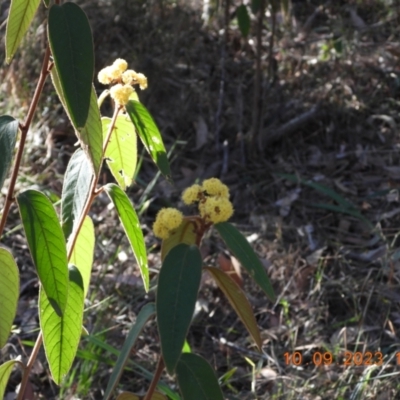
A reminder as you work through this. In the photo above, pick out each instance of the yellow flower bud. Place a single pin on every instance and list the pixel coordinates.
(104, 76)
(132, 77)
(120, 64)
(214, 187)
(120, 93)
(216, 209)
(142, 81)
(192, 194)
(167, 220)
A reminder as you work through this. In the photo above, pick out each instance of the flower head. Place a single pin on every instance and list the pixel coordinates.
(118, 72)
(216, 209)
(167, 220)
(192, 194)
(214, 187)
(132, 77)
(120, 93)
(120, 64)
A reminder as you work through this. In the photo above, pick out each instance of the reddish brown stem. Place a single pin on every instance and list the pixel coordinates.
(24, 131)
(29, 366)
(156, 378)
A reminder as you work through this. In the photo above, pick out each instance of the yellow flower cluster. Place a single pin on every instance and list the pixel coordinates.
(120, 93)
(213, 199)
(123, 79)
(166, 221)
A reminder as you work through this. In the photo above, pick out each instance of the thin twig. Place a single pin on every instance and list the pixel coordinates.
(257, 100)
(24, 131)
(222, 80)
(29, 366)
(156, 378)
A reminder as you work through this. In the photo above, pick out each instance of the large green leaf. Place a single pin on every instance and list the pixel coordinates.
(131, 224)
(47, 245)
(149, 134)
(196, 379)
(9, 293)
(185, 233)
(121, 151)
(178, 284)
(71, 44)
(242, 250)
(91, 135)
(5, 371)
(243, 19)
(76, 190)
(8, 138)
(19, 18)
(238, 301)
(82, 254)
(145, 313)
(61, 335)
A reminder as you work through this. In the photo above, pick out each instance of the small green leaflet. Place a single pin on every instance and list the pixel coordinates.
(19, 18)
(75, 192)
(149, 135)
(8, 138)
(131, 224)
(243, 19)
(9, 293)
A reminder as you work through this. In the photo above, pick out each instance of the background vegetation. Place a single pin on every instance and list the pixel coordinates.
(317, 194)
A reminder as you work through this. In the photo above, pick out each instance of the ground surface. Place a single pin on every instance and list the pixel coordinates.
(317, 199)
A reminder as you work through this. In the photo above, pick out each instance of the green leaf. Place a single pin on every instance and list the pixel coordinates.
(131, 224)
(46, 2)
(121, 151)
(5, 371)
(243, 19)
(197, 379)
(47, 246)
(75, 191)
(238, 301)
(82, 254)
(61, 335)
(71, 44)
(149, 135)
(91, 135)
(19, 18)
(145, 313)
(8, 138)
(185, 233)
(178, 284)
(9, 294)
(242, 250)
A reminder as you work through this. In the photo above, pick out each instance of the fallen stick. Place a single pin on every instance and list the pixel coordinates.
(271, 136)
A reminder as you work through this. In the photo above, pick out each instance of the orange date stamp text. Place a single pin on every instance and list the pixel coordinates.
(349, 358)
